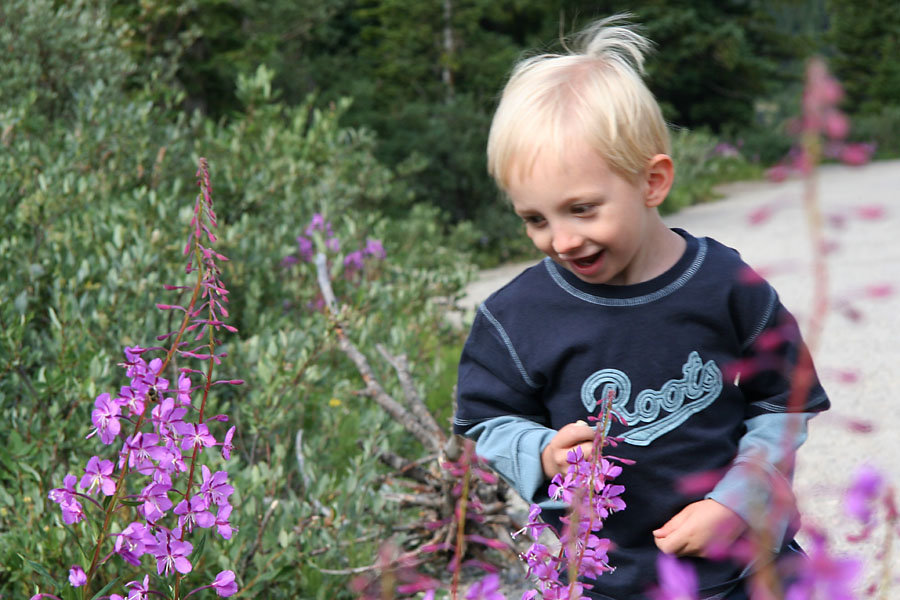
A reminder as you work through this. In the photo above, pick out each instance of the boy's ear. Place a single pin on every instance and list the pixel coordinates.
(660, 176)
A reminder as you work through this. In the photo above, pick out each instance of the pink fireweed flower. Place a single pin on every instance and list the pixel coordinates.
(866, 488)
(132, 400)
(354, 261)
(486, 589)
(166, 417)
(375, 249)
(97, 477)
(67, 492)
(677, 579)
(132, 542)
(184, 389)
(195, 435)
(222, 525)
(142, 450)
(224, 584)
(194, 513)
(105, 418)
(133, 361)
(66, 497)
(856, 154)
(215, 486)
(594, 559)
(72, 511)
(317, 223)
(156, 501)
(306, 248)
(227, 446)
(139, 590)
(171, 554)
(150, 380)
(824, 575)
(77, 576)
(534, 526)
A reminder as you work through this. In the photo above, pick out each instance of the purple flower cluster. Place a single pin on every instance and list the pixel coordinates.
(354, 262)
(162, 431)
(587, 489)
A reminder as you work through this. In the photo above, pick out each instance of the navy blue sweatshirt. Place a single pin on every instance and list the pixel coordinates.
(689, 357)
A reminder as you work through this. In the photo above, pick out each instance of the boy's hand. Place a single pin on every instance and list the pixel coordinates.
(553, 458)
(700, 527)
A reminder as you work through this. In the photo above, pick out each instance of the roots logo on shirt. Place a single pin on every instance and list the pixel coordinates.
(662, 410)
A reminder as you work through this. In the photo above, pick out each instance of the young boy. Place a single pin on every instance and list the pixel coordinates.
(694, 350)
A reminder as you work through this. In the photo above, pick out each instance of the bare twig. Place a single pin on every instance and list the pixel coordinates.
(413, 470)
(410, 559)
(413, 499)
(259, 533)
(413, 398)
(396, 410)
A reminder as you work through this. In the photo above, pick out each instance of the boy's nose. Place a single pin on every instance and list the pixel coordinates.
(565, 240)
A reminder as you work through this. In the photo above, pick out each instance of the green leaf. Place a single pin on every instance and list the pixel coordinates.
(54, 319)
(106, 588)
(40, 570)
(30, 470)
(77, 541)
(198, 549)
(21, 302)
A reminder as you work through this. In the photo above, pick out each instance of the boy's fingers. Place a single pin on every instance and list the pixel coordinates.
(669, 526)
(573, 434)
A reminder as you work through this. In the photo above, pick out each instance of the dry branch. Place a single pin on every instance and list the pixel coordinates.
(434, 489)
(413, 398)
(403, 416)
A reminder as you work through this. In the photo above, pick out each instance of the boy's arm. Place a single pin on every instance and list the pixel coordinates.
(756, 489)
(527, 454)
(513, 446)
(758, 485)
(499, 406)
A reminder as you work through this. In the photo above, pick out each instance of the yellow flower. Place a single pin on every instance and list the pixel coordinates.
(334, 402)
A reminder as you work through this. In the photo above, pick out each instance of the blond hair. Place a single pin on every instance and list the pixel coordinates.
(593, 95)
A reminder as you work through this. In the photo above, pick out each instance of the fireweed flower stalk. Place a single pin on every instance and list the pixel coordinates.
(821, 131)
(587, 489)
(162, 429)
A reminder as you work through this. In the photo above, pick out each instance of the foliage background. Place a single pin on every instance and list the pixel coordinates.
(356, 109)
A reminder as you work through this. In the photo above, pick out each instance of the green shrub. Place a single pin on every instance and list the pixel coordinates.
(881, 128)
(701, 162)
(98, 182)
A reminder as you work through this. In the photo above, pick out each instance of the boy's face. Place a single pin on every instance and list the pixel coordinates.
(588, 219)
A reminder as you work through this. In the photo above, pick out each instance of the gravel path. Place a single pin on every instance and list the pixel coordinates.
(859, 356)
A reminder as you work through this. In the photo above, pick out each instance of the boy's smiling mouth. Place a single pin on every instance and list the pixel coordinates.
(587, 265)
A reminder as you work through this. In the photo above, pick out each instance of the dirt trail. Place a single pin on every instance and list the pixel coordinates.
(859, 355)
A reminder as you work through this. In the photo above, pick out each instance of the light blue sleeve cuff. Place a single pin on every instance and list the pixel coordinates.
(512, 446)
(758, 484)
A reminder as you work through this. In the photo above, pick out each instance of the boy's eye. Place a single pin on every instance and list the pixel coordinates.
(582, 209)
(533, 220)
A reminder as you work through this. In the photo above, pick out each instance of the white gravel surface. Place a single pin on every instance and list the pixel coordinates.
(865, 347)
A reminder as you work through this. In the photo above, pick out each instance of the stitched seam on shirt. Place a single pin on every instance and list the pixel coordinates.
(771, 407)
(509, 346)
(761, 326)
(638, 300)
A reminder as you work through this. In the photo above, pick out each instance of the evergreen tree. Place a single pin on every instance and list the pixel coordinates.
(866, 42)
